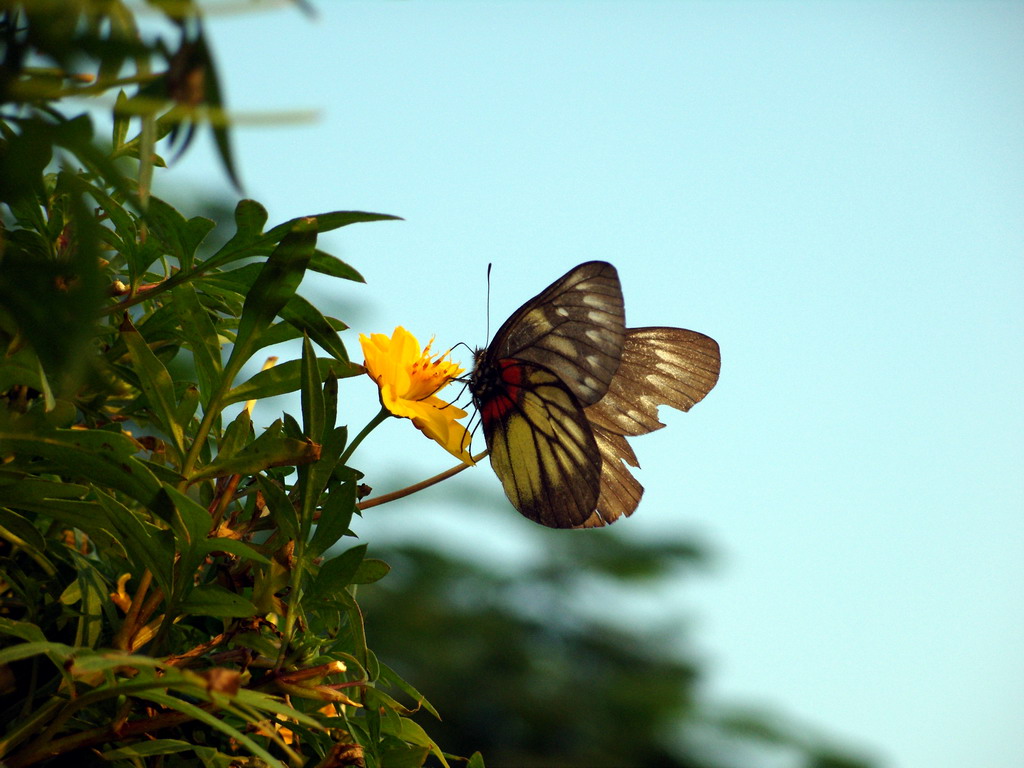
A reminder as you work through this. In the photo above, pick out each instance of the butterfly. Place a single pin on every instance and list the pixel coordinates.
(563, 383)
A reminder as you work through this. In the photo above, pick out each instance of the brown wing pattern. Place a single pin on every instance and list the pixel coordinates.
(660, 366)
(620, 492)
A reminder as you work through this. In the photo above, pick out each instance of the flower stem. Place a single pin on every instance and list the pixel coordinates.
(384, 498)
(375, 422)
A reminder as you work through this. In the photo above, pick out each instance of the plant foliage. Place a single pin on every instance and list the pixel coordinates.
(175, 585)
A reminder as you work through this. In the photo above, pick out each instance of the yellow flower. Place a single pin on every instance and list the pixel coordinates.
(409, 380)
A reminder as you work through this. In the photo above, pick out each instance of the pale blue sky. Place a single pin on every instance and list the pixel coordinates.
(834, 191)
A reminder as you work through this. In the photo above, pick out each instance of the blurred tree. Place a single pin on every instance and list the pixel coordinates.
(523, 672)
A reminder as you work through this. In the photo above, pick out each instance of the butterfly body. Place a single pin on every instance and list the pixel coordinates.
(561, 385)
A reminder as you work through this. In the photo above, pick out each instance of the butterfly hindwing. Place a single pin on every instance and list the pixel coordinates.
(540, 444)
(575, 327)
(660, 366)
(620, 492)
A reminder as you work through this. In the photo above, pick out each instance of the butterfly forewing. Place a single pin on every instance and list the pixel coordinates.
(575, 328)
(540, 444)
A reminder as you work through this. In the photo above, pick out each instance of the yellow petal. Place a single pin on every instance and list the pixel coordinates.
(409, 378)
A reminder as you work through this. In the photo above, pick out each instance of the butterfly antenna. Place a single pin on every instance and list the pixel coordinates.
(489, 265)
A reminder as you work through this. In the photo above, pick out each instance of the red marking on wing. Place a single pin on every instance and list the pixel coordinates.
(511, 375)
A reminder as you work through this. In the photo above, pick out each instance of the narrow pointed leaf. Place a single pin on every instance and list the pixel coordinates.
(281, 508)
(233, 547)
(198, 329)
(156, 383)
(285, 378)
(336, 573)
(181, 237)
(261, 455)
(312, 395)
(332, 266)
(250, 218)
(335, 518)
(147, 749)
(211, 719)
(212, 600)
(121, 121)
(275, 286)
(18, 526)
(92, 455)
(307, 318)
(143, 541)
(370, 570)
(215, 99)
(191, 524)
(325, 222)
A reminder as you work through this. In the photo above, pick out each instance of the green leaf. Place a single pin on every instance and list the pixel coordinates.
(312, 395)
(275, 286)
(87, 516)
(265, 702)
(331, 407)
(335, 517)
(180, 237)
(142, 541)
(287, 377)
(55, 301)
(157, 385)
(250, 218)
(321, 471)
(370, 570)
(403, 756)
(121, 121)
(124, 223)
(191, 524)
(211, 719)
(312, 399)
(187, 406)
(336, 573)
(215, 99)
(200, 333)
(281, 508)
(22, 368)
(332, 266)
(21, 528)
(57, 651)
(147, 749)
(260, 455)
(233, 547)
(237, 434)
(23, 629)
(413, 733)
(390, 677)
(98, 456)
(238, 281)
(325, 222)
(476, 760)
(76, 135)
(213, 600)
(92, 593)
(307, 318)
(17, 488)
